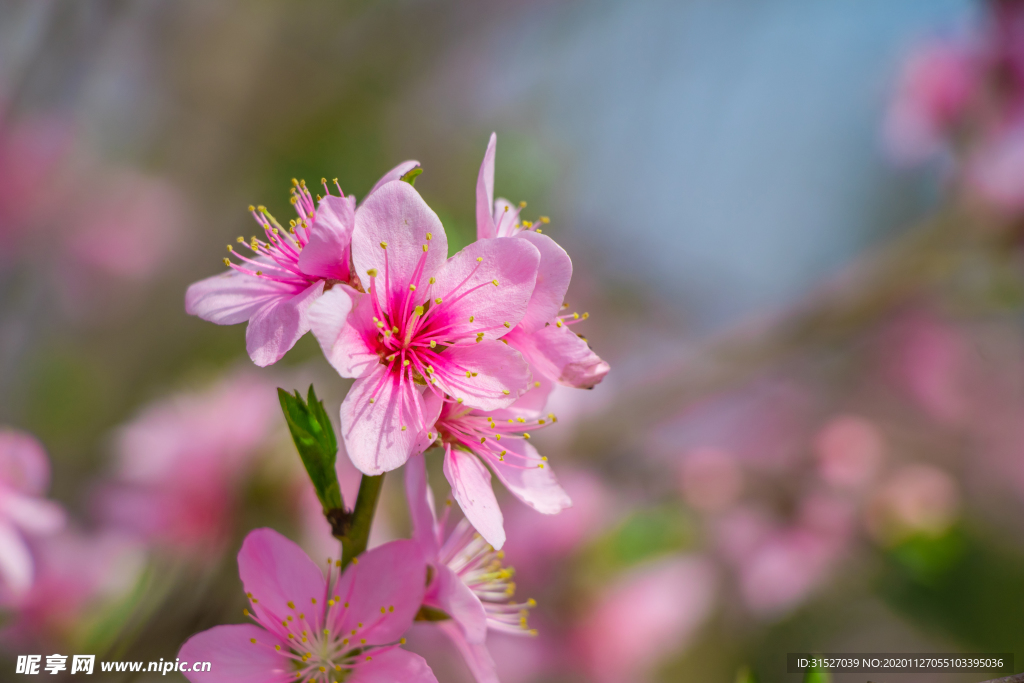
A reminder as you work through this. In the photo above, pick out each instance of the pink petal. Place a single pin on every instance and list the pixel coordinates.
(394, 174)
(380, 436)
(560, 355)
(485, 192)
(462, 604)
(535, 486)
(33, 515)
(476, 656)
(553, 276)
(234, 658)
(384, 589)
(396, 215)
(232, 297)
(393, 666)
(23, 462)
(275, 328)
(275, 571)
(471, 487)
(342, 321)
(15, 560)
(466, 286)
(501, 374)
(421, 506)
(327, 253)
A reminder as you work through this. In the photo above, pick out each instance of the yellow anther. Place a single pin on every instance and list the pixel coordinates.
(533, 632)
(412, 288)
(494, 282)
(474, 374)
(391, 608)
(313, 600)
(323, 669)
(483, 439)
(394, 330)
(468, 373)
(401, 641)
(520, 419)
(527, 224)
(432, 280)
(383, 611)
(433, 344)
(373, 400)
(506, 324)
(437, 300)
(252, 208)
(419, 310)
(545, 220)
(472, 318)
(540, 466)
(586, 315)
(522, 205)
(525, 435)
(497, 437)
(505, 391)
(383, 245)
(458, 400)
(240, 240)
(277, 647)
(230, 248)
(372, 272)
(430, 436)
(355, 560)
(424, 247)
(368, 658)
(430, 235)
(536, 384)
(541, 421)
(261, 208)
(558, 323)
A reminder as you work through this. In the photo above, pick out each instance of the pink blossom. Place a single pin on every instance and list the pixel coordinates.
(76, 574)
(936, 84)
(542, 336)
(711, 479)
(996, 167)
(850, 451)
(182, 460)
(646, 616)
(24, 477)
(500, 439)
(311, 629)
(426, 323)
(468, 582)
(275, 286)
(916, 499)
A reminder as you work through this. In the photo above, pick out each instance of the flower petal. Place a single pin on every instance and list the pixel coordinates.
(466, 285)
(380, 436)
(342, 321)
(397, 216)
(553, 276)
(15, 560)
(232, 297)
(462, 604)
(384, 590)
(485, 192)
(498, 374)
(520, 473)
(234, 658)
(23, 462)
(476, 656)
(421, 506)
(330, 239)
(391, 667)
(33, 515)
(560, 355)
(394, 174)
(274, 570)
(471, 487)
(275, 328)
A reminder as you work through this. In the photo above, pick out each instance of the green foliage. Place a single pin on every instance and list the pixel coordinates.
(817, 676)
(318, 447)
(746, 675)
(411, 176)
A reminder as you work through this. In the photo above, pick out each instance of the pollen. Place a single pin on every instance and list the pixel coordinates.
(505, 391)
(437, 301)
(432, 280)
(545, 220)
(472, 318)
(494, 282)
(430, 235)
(433, 344)
(412, 288)
(227, 261)
(419, 310)
(479, 259)
(558, 324)
(373, 400)
(525, 435)
(458, 400)
(383, 245)
(372, 272)
(506, 324)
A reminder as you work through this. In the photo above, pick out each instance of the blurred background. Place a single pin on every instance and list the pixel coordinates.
(796, 227)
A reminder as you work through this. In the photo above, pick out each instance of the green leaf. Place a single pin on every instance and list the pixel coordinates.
(318, 447)
(746, 675)
(817, 676)
(411, 176)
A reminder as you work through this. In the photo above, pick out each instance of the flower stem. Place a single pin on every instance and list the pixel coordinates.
(357, 535)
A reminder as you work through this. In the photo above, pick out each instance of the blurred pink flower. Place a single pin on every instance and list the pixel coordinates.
(499, 438)
(76, 573)
(352, 620)
(182, 460)
(996, 169)
(286, 273)
(850, 451)
(424, 317)
(930, 360)
(917, 498)
(935, 86)
(711, 479)
(647, 615)
(24, 478)
(542, 336)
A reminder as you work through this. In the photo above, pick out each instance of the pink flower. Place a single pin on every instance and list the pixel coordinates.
(24, 477)
(542, 336)
(469, 584)
(916, 499)
(711, 479)
(850, 451)
(499, 438)
(183, 459)
(287, 272)
(312, 629)
(76, 575)
(645, 616)
(996, 166)
(935, 87)
(428, 322)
